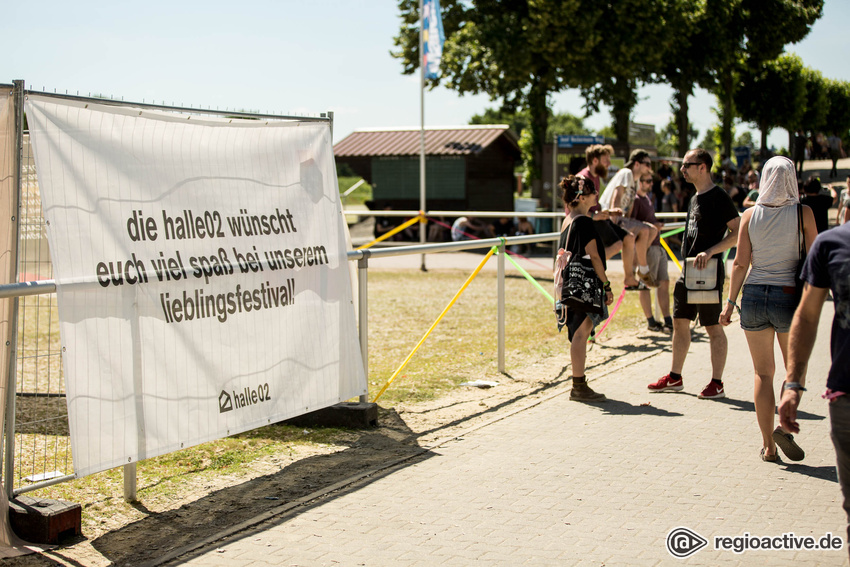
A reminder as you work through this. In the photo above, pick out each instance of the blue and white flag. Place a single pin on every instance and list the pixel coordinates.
(433, 38)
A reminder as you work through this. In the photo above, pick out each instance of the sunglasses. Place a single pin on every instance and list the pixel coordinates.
(688, 164)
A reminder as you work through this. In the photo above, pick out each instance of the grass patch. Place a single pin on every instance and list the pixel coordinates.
(359, 196)
(403, 305)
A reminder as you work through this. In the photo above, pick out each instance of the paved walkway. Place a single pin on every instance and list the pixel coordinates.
(564, 483)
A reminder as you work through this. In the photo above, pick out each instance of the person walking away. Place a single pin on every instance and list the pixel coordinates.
(827, 268)
(523, 228)
(835, 153)
(800, 143)
(670, 202)
(581, 239)
(643, 210)
(711, 228)
(819, 203)
(769, 239)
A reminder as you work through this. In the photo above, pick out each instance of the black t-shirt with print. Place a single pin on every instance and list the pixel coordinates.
(582, 233)
(708, 215)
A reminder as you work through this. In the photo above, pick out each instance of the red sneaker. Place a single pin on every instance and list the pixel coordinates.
(712, 391)
(666, 384)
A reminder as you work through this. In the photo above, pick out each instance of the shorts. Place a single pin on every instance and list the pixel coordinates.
(632, 225)
(609, 232)
(709, 313)
(656, 258)
(767, 307)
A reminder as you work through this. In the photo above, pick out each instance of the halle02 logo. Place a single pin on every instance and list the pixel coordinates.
(683, 542)
(247, 397)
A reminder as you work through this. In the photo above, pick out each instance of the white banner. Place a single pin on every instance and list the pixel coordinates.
(203, 285)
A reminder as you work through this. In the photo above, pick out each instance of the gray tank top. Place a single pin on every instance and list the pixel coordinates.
(776, 249)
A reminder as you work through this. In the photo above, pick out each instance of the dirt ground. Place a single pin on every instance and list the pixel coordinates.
(279, 484)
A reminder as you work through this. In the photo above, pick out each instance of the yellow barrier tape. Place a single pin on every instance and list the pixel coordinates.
(443, 314)
(670, 253)
(393, 232)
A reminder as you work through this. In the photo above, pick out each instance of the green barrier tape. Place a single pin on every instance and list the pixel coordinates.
(528, 276)
(672, 232)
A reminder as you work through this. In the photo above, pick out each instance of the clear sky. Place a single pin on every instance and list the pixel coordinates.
(291, 56)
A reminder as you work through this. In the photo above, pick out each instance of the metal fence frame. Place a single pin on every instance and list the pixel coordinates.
(38, 288)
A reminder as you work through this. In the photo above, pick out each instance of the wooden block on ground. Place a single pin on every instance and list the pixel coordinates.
(353, 415)
(39, 520)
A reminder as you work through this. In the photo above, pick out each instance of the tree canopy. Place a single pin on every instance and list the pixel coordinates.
(521, 52)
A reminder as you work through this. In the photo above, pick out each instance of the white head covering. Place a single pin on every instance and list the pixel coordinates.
(778, 183)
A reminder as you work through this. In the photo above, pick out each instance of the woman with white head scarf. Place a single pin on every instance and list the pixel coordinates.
(769, 240)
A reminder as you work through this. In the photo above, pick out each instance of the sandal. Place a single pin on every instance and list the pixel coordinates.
(786, 442)
(767, 458)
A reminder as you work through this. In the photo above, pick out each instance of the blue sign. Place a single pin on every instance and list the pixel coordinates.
(579, 140)
(742, 153)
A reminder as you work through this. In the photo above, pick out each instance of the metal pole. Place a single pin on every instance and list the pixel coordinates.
(422, 128)
(500, 302)
(363, 311)
(556, 226)
(8, 475)
(130, 494)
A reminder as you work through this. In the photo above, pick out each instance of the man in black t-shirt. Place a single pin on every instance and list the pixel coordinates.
(711, 228)
(817, 201)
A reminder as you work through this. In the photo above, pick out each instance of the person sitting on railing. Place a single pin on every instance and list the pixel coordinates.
(469, 228)
(503, 227)
(384, 224)
(523, 228)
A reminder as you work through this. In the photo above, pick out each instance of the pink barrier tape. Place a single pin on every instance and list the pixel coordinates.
(611, 316)
(473, 237)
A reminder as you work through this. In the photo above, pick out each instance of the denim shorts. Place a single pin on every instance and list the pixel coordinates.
(767, 306)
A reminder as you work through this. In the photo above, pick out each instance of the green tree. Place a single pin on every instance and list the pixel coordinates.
(633, 54)
(773, 95)
(558, 124)
(686, 62)
(508, 49)
(817, 102)
(667, 140)
(518, 121)
(838, 114)
(747, 34)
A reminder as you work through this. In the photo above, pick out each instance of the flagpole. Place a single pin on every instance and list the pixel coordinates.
(422, 226)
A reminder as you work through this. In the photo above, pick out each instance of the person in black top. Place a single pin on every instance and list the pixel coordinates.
(817, 201)
(581, 239)
(711, 228)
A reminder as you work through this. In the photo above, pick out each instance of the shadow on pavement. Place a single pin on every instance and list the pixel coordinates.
(147, 541)
(744, 405)
(825, 472)
(618, 407)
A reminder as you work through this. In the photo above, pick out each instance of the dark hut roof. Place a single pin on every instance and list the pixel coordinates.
(456, 140)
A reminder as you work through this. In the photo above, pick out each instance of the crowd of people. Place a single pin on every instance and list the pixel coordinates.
(787, 261)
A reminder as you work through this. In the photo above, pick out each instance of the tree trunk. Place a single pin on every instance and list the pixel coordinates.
(539, 117)
(621, 110)
(680, 96)
(727, 110)
(765, 130)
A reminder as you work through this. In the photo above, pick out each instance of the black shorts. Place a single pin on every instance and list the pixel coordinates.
(609, 232)
(709, 313)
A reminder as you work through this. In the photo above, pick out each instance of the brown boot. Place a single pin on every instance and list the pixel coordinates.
(581, 392)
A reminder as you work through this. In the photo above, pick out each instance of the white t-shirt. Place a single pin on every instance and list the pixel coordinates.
(623, 178)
